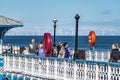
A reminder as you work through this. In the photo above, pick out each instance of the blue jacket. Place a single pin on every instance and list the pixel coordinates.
(67, 53)
(41, 52)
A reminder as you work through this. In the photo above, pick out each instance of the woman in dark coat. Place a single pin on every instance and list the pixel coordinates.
(67, 53)
(115, 54)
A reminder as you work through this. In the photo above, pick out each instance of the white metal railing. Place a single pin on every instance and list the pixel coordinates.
(99, 55)
(60, 69)
(15, 49)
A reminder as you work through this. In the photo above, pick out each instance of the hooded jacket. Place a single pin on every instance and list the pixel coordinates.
(115, 55)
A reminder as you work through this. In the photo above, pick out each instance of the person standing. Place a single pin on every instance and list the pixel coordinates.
(32, 47)
(9, 48)
(115, 54)
(67, 53)
(59, 46)
(64, 52)
(61, 53)
(41, 50)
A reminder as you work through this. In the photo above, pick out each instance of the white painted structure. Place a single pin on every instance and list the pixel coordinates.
(60, 69)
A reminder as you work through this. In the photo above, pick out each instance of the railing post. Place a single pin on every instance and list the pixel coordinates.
(47, 64)
(56, 68)
(39, 66)
(8, 66)
(13, 63)
(85, 69)
(102, 56)
(65, 70)
(19, 59)
(96, 72)
(96, 55)
(90, 55)
(75, 70)
(108, 55)
(109, 72)
(25, 65)
(32, 65)
(18, 49)
(5, 62)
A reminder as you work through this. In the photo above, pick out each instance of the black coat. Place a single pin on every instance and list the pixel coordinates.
(115, 55)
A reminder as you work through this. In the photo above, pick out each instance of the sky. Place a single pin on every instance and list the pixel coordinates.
(102, 16)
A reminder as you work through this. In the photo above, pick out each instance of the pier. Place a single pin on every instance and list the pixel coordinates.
(16, 66)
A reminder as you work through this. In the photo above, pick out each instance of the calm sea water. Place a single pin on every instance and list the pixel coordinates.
(103, 42)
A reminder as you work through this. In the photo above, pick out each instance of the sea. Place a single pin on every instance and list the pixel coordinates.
(102, 42)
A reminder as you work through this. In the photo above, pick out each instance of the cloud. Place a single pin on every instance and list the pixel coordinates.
(101, 28)
(106, 12)
(64, 31)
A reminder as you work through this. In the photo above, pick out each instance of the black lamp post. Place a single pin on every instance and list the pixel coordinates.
(76, 35)
(54, 43)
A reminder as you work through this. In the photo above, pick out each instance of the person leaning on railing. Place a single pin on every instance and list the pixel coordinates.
(115, 53)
